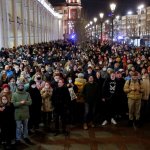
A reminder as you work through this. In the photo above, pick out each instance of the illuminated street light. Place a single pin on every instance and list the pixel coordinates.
(117, 17)
(107, 21)
(95, 20)
(140, 7)
(101, 15)
(101, 21)
(112, 7)
(129, 13)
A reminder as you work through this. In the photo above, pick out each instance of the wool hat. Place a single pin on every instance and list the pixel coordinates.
(5, 86)
(135, 73)
(80, 75)
(20, 84)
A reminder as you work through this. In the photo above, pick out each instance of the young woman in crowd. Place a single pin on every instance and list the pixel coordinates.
(47, 107)
(7, 121)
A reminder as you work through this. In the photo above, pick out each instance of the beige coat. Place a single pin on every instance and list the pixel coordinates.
(134, 95)
(80, 83)
(46, 100)
(146, 86)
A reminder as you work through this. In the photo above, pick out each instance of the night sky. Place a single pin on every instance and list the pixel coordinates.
(93, 7)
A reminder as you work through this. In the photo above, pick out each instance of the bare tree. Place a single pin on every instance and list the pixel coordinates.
(80, 30)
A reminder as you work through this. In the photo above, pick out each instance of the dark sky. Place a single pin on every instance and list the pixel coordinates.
(93, 7)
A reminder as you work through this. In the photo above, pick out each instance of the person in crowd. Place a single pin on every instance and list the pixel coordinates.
(145, 98)
(89, 72)
(35, 107)
(80, 82)
(134, 89)
(109, 99)
(17, 71)
(60, 101)
(47, 107)
(104, 73)
(121, 99)
(21, 101)
(49, 74)
(91, 96)
(99, 107)
(3, 79)
(9, 72)
(12, 84)
(7, 121)
(6, 91)
(73, 89)
(40, 83)
(54, 82)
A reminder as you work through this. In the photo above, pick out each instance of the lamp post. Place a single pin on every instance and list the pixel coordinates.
(101, 21)
(91, 29)
(95, 20)
(112, 7)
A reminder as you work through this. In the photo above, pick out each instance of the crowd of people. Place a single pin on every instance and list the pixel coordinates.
(61, 83)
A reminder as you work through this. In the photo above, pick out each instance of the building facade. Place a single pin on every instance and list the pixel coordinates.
(135, 28)
(71, 10)
(25, 22)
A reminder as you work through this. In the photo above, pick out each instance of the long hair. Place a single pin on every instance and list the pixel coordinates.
(1, 103)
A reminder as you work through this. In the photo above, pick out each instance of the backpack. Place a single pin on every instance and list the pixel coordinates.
(139, 80)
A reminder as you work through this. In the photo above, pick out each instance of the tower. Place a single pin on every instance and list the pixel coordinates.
(73, 13)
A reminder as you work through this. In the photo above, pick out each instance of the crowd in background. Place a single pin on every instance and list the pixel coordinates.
(90, 85)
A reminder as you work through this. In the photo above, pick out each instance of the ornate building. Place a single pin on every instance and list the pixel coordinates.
(24, 22)
(71, 10)
(137, 27)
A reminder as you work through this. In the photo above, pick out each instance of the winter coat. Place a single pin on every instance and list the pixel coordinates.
(36, 99)
(146, 86)
(61, 97)
(119, 89)
(133, 95)
(46, 100)
(80, 83)
(109, 89)
(7, 116)
(21, 110)
(90, 92)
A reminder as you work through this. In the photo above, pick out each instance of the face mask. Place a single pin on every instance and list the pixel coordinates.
(33, 86)
(70, 81)
(100, 62)
(17, 69)
(104, 69)
(138, 62)
(4, 101)
(38, 78)
(12, 83)
(47, 86)
(110, 60)
(56, 80)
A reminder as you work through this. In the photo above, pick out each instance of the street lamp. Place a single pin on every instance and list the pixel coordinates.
(129, 13)
(101, 21)
(95, 20)
(91, 29)
(112, 7)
